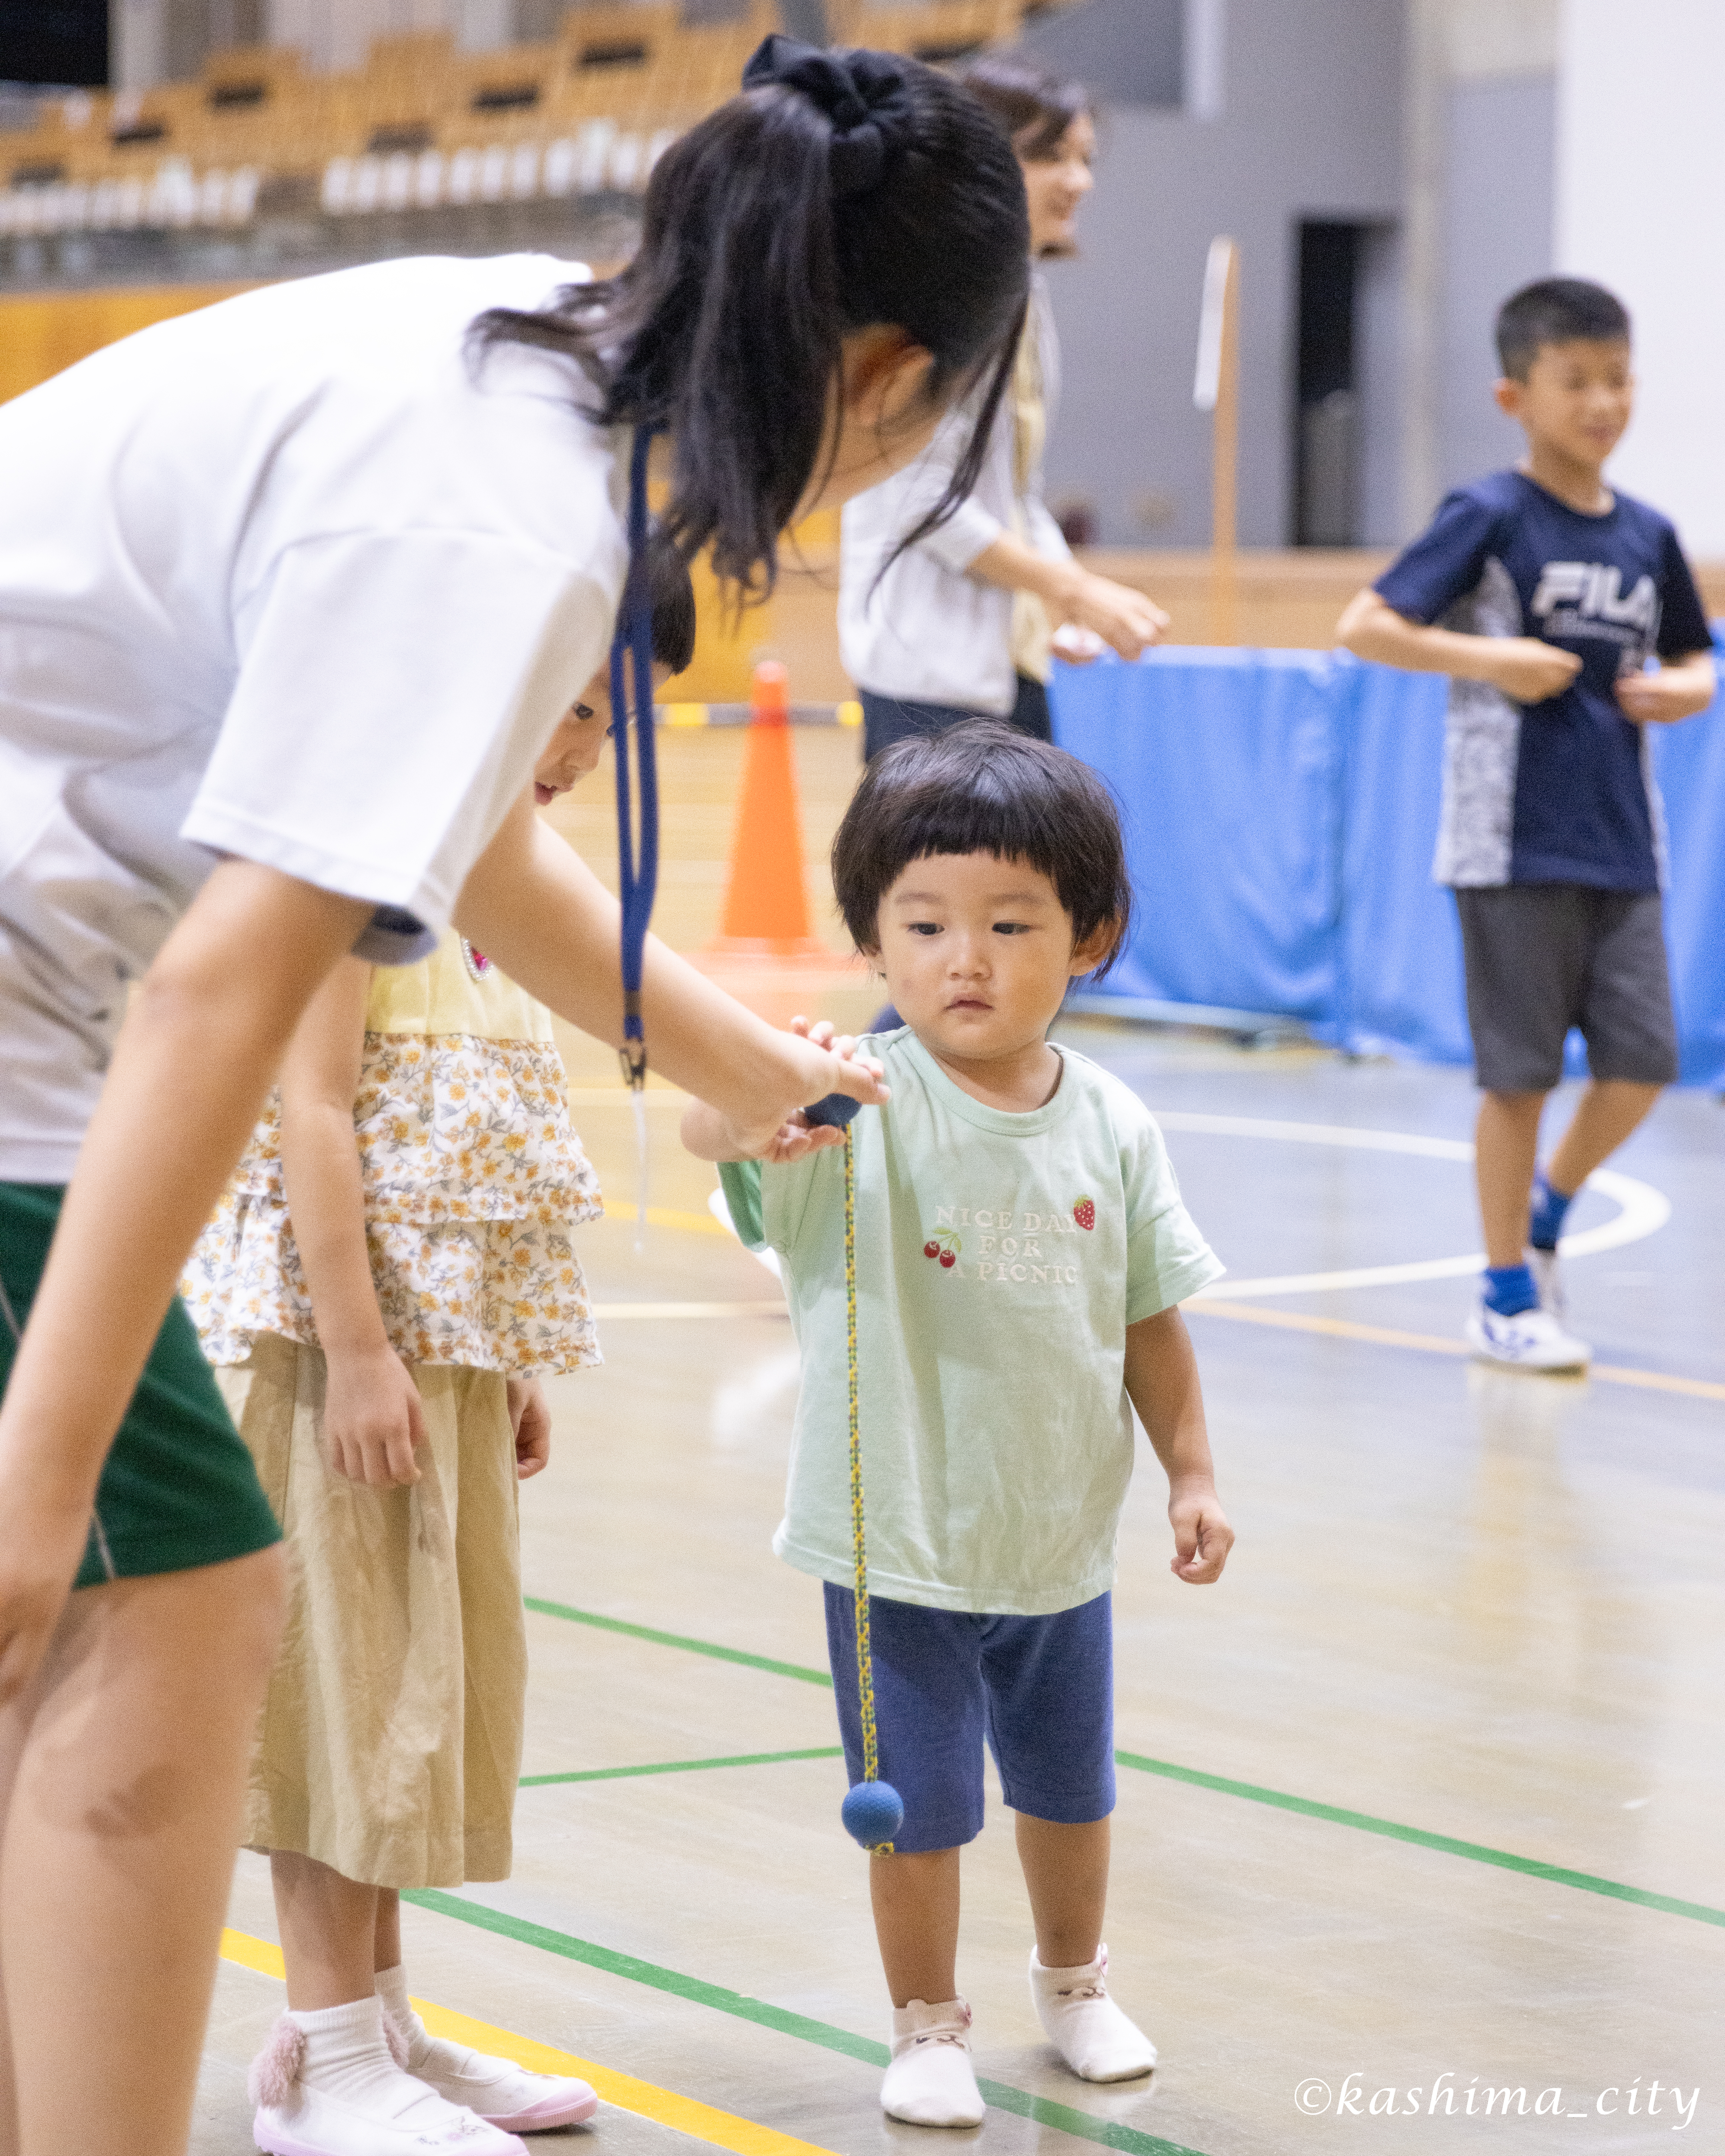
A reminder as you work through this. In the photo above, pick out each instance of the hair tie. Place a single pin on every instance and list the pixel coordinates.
(863, 94)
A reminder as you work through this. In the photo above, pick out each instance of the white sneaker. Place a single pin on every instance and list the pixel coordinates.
(1548, 1278)
(1531, 1340)
(391, 2115)
(499, 2091)
(931, 2081)
(1086, 2027)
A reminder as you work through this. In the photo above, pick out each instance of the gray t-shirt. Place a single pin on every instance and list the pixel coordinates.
(999, 1259)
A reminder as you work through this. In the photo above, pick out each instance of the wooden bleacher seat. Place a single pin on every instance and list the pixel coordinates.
(420, 124)
(939, 32)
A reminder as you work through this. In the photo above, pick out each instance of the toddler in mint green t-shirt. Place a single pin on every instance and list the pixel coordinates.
(1022, 1249)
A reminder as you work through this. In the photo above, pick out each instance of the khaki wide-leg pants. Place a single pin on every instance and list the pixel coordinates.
(391, 1737)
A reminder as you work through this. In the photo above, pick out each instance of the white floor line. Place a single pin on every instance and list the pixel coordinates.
(1642, 1210)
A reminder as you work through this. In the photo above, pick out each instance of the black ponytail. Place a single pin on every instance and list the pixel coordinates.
(847, 189)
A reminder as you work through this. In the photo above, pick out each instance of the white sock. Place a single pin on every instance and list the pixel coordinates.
(931, 2081)
(392, 1991)
(1084, 2026)
(343, 2051)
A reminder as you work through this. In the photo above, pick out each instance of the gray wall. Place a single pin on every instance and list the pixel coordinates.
(1309, 127)
(1499, 159)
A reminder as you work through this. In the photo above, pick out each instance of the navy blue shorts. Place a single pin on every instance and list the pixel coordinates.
(1039, 1690)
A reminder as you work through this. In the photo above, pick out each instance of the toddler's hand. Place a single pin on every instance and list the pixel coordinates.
(1528, 671)
(1202, 1537)
(373, 1422)
(530, 1418)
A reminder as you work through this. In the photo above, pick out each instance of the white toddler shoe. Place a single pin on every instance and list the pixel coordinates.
(931, 2081)
(1084, 2026)
(496, 2090)
(331, 2084)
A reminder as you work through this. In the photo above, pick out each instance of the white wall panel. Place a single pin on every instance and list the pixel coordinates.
(1641, 184)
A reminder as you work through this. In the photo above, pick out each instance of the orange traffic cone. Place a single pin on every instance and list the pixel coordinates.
(766, 915)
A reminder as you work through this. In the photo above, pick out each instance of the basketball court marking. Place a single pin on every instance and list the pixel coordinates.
(1533, 1867)
(701, 2121)
(1001, 2096)
(1642, 1210)
(1432, 1344)
(680, 1767)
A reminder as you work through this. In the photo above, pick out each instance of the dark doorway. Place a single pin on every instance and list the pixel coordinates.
(54, 41)
(1327, 434)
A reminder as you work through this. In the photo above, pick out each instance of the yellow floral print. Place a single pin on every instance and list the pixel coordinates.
(470, 1194)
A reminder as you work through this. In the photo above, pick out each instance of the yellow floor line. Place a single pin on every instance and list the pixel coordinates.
(701, 2121)
(620, 1097)
(609, 1312)
(661, 1216)
(1430, 1343)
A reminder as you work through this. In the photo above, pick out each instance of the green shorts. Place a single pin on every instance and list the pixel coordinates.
(179, 1489)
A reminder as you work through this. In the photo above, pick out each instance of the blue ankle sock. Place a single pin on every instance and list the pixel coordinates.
(1509, 1290)
(1545, 1222)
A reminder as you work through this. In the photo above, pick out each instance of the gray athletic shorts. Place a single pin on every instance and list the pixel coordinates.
(1542, 957)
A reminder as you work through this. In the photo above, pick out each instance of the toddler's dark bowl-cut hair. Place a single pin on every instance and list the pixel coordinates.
(981, 787)
(1556, 310)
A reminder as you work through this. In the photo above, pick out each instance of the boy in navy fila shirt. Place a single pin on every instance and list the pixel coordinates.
(1545, 595)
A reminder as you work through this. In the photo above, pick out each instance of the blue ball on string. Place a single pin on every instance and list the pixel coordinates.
(833, 1109)
(873, 1813)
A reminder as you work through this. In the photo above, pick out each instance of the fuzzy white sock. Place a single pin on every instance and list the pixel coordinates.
(1084, 2026)
(345, 2052)
(931, 2081)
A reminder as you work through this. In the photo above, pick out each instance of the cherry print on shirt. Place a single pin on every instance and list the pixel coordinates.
(945, 1246)
(1084, 1213)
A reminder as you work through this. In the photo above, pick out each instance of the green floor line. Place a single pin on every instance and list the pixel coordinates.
(681, 1766)
(1556, 1874)
(1476, 1852)
(1080, 2125)
(676, 1640)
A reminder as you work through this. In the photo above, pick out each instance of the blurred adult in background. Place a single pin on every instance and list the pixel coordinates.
(963, 622)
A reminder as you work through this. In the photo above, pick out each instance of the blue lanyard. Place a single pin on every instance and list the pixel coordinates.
(637, 861)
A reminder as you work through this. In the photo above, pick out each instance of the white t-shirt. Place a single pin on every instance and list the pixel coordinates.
(918, 627)
(285, 579)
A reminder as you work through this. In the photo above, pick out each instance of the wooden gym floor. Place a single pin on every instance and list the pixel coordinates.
(1424, 1794)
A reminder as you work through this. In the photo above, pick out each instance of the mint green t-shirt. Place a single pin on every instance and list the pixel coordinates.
(999, 1259)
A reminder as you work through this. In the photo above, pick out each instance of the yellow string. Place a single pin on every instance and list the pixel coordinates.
(864, 1659)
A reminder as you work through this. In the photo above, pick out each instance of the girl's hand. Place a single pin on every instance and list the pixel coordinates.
(830, 1065)
(46, 1532)
(374, 1419)
(1202, 1535)
(530, 1418)
(1115, 614)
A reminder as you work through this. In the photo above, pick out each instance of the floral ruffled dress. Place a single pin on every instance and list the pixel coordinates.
(472, 1178)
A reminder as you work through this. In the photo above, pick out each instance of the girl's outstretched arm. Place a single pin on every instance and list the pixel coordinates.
(533, 905)
(200, 1044)
(373, 1418)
